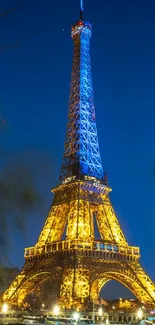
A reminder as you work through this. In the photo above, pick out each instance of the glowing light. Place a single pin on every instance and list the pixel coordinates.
(100, 311)
(56, 310)
(76, 316)
(139, 313)
(4, 308)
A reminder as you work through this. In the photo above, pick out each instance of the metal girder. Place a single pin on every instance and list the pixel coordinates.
(54, 225)
(85, 265)
(131, 275)
(75, 283)
(33, 275)
(108, 223)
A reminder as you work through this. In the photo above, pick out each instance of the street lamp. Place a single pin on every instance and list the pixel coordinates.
(100, 312)
(76, 317)
(139, 313)
(113, 308)
(56, 310)
(4, 311)
(4, 308)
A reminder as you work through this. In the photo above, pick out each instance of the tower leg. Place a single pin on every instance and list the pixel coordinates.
(54, 225)
(33, 275)
(75, 287)
(130, 274)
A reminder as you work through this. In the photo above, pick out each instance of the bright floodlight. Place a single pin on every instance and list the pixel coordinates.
(139, 313)
(100, 311)
(56, 310)
(76, 316)
(4, 308)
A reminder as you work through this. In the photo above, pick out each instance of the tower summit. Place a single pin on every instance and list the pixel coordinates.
(67, 253)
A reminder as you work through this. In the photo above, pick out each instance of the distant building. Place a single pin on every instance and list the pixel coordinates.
(126, 311)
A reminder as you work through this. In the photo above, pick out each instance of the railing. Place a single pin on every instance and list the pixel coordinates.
(77, 245)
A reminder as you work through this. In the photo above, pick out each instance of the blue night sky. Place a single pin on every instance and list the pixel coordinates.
(34, 91)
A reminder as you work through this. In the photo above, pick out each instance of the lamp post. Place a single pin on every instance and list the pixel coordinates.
(139, 313)
(93, 314)
(4, 310)
(56, 310)
(42, 307)
(76, 317)
(113, 308)
(100, 312)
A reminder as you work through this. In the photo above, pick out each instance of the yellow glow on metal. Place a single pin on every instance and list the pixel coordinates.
(112, 257)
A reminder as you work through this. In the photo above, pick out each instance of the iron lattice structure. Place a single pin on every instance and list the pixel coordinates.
(82, 156)
(80, 265)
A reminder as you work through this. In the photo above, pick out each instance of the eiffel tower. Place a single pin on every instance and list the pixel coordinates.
(79, 264)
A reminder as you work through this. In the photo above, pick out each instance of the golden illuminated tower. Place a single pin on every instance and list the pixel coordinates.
(67, 251)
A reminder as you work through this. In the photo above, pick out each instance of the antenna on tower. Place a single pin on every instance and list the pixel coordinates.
(81, 10)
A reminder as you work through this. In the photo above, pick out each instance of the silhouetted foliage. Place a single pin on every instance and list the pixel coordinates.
(20, 194)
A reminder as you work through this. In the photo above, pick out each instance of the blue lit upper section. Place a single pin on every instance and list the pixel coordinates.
(82, 156)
